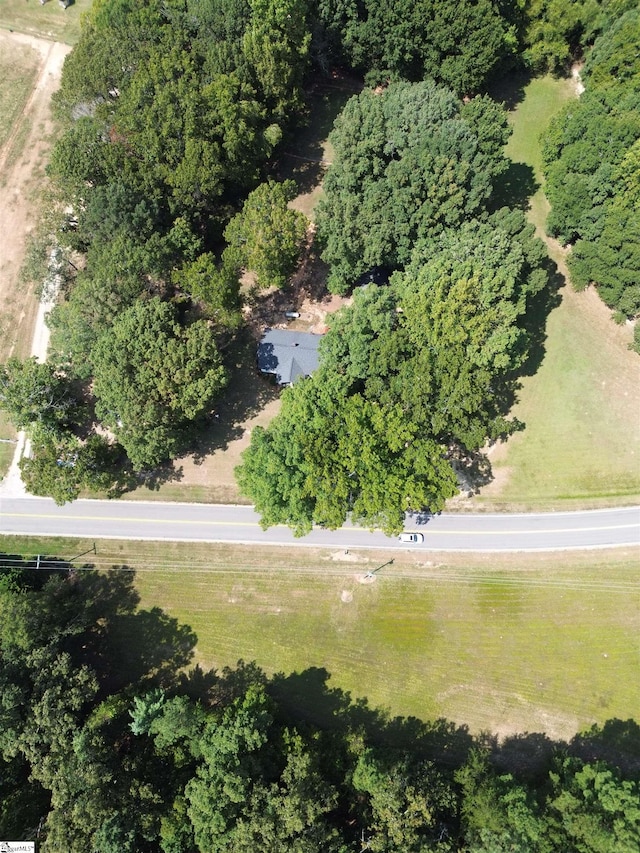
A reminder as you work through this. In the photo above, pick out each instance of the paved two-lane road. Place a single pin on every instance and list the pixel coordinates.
(239, 524)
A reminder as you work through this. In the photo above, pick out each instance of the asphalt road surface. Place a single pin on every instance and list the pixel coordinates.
(239, 524)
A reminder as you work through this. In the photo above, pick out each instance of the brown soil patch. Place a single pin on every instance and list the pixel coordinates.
(347, 557)
(306, 295)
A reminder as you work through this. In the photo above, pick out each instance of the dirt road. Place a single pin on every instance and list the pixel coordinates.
(22, 161)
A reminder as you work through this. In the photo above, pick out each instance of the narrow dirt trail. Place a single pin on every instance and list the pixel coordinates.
(21, 172)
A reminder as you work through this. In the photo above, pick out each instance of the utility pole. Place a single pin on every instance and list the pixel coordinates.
(373, 572)
(84, 553)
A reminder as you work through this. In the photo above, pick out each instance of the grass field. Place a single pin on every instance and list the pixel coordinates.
(581, 445)
(48, 21)
(18, 70)
(505, 643)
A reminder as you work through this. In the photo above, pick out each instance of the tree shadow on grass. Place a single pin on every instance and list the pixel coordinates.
(515, 187)
(30, 573)
(152, 646)
(305, 697)
(301, 152)
(97, 617)
(247, 395)
(527, 756)
(617, 742)
(121, 643)
(508, 87)
(166, 472)
(535, 321)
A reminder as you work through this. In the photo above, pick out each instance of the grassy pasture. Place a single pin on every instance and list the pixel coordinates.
(49, 21)
(581, 445)
(500, 642)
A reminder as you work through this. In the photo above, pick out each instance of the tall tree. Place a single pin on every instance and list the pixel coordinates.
(408, 373)
(591, 168)
(215, 285)
(276, 45)
(456, 44)
(37, 393)
(153, 378)
(266, 236)
(407, 161)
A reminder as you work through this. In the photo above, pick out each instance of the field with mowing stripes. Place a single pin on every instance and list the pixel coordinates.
(507, 643)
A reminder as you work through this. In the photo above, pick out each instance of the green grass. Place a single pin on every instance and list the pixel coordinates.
(581, 445)
(544, 98)
(308, 153)
(7, 448)
(49, 21)
(506, 643)
(18, 69)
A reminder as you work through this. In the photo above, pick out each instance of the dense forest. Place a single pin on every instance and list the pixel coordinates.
(592, 164)
(110, 743)
(174, 116)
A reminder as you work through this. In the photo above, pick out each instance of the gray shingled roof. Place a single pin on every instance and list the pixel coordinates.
(289, 355)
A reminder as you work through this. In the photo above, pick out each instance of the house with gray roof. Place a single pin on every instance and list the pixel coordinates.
(288, 355)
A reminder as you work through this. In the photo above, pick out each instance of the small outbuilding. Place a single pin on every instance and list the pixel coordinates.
(288, 355)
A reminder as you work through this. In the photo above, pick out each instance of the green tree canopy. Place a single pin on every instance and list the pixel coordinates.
(457, 44)
(407, 161)
(612, 262)
(215, 285)
(61, 465)
(407, 373)
(153, 377)
(591, 167)
(37, 393)
(266, 236)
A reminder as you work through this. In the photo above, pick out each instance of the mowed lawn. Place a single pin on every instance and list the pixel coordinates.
(47, 21)
(545, 642)
(508, 645)
(581, 444)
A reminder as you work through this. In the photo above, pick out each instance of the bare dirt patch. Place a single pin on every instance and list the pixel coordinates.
(306, 294)
(347, 557)
(22, 159)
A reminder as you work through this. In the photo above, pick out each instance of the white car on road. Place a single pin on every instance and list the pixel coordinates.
(411, 538)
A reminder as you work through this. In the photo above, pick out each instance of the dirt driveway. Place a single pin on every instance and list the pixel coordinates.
(22, 161)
